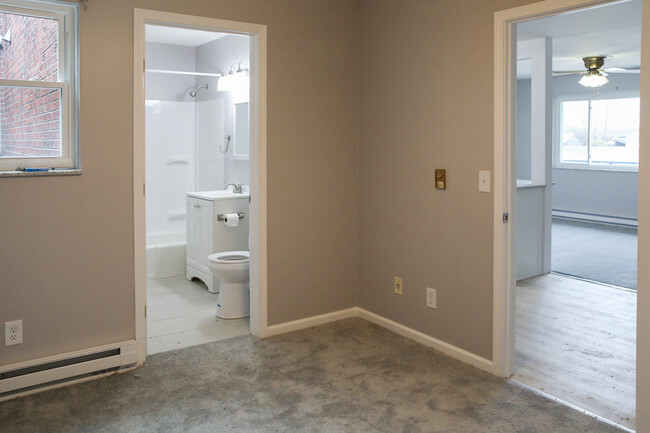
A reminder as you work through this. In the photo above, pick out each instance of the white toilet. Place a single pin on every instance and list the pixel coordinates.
(232, 268)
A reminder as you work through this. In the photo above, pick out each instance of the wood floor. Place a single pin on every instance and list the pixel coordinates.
(576, 341)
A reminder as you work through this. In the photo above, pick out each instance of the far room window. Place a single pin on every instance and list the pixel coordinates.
(598, 133)
(38, 85)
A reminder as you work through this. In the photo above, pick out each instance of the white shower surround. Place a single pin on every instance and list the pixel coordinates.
(182, 154)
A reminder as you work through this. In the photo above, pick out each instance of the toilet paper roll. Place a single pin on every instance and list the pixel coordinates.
(232, 220)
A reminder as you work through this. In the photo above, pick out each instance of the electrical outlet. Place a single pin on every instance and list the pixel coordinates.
(398, 285)
(431, 298)
(13, 332)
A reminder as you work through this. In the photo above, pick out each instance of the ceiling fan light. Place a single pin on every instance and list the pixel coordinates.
(593, 79)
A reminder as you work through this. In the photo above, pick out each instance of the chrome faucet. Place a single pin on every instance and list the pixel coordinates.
(236, 187)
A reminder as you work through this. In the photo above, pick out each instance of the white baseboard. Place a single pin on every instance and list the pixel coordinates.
(427, 340)
(434, 343)
(308, 322)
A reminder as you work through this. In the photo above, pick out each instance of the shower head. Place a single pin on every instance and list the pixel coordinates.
(193, 92)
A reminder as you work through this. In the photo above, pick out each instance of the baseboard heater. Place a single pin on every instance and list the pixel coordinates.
(592, 217)
(57, 371)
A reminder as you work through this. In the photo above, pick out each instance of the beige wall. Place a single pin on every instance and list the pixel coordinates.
(426, 102)
(423, 79)
(66, 243)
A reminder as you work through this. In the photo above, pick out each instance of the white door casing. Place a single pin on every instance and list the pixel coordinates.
(258, 231)
(505, 187)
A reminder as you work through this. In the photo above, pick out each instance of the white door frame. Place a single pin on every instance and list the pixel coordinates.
(503, 347)
(258, 234)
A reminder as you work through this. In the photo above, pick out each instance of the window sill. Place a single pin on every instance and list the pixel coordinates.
(595, 168)
(60, 172)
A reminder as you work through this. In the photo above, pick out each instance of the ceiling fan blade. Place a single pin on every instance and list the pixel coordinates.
(568, 72)
(623, 70)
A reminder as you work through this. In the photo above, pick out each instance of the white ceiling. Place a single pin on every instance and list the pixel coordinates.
(179, 36)
(611, 30)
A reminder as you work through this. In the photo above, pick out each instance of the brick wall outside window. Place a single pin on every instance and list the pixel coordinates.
(30, 118)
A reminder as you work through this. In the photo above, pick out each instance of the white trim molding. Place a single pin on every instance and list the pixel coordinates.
(258, 116)
(404, 331)
(557, 131)
(67, 83)
(643, 276)
(426, 340)
(309, 322)
(503, 345)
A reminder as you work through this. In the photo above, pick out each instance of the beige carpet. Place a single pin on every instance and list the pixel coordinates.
(350, 376)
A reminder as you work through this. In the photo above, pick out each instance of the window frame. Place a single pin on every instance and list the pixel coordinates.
(557, 132)
(67, 81)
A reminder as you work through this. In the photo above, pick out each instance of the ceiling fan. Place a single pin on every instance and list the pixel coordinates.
(595, 75)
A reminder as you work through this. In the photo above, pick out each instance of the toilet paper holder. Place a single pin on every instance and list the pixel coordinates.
(222, 217)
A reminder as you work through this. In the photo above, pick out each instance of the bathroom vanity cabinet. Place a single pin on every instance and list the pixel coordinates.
(199, 235)
(206, 235)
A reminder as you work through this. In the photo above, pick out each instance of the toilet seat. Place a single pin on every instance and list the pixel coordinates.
(230, 257)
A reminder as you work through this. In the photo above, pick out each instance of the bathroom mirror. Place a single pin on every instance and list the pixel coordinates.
(241, 136)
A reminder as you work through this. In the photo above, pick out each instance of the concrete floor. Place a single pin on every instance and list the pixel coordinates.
(576, 341)
(349, 376)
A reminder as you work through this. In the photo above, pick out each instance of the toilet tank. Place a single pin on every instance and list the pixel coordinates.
(224, 202)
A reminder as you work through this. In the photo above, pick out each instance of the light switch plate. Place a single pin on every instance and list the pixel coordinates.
(484, 181)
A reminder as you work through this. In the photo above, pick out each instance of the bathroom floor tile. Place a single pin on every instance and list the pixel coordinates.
(221, 330)
(156, 346)
(181, 313)
(157, 328)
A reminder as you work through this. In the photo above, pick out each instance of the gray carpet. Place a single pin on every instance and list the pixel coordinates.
(349, 376)
(597, 252)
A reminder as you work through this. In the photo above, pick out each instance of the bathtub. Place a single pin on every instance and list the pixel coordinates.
(165, 255)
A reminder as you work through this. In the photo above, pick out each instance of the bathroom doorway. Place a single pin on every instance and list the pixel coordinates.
(196, 143)
(198, 138)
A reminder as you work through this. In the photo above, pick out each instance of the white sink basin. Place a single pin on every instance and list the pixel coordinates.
(222, 194)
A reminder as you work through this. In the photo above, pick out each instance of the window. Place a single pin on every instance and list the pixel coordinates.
(38, 85)
(598, 133)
